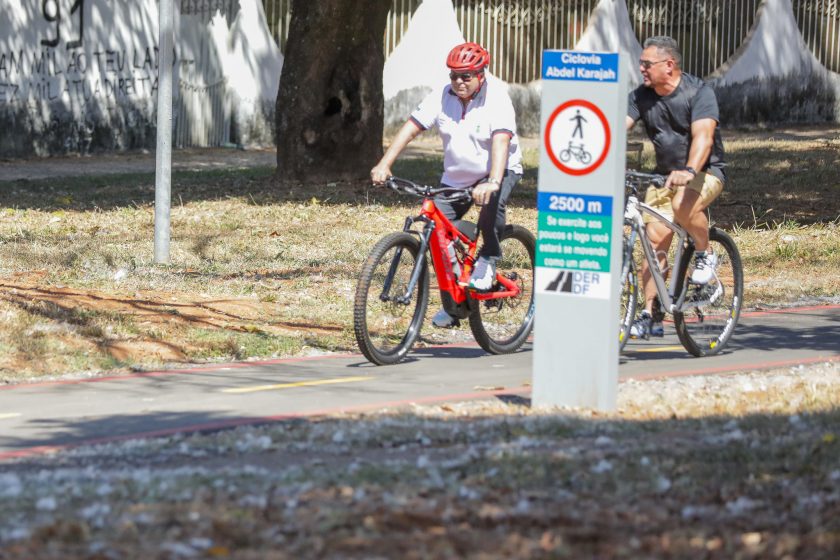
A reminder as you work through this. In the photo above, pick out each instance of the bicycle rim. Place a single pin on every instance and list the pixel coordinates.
(705, 329)
(501, 326)
(629, 301)
(385, 327)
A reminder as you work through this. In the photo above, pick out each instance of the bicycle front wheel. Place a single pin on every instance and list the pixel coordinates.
(710, 312)
(501, 326)
(629, 281)
(387, 317)
(629, 301)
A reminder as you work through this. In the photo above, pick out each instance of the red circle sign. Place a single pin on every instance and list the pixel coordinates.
(563, 158)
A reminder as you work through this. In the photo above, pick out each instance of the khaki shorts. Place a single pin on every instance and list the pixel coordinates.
(706, 184)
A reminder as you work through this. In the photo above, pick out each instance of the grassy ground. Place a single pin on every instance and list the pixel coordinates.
(260, 273)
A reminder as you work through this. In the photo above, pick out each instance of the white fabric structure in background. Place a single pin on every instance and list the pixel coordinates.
(420, 57)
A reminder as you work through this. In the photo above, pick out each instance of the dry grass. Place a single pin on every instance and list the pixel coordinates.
(261, 273)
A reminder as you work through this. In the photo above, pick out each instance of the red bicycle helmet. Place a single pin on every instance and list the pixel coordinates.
(469, 57)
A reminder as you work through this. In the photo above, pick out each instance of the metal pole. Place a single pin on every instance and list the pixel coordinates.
(163, 162)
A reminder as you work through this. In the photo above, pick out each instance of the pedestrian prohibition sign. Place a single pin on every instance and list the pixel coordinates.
(577, 137)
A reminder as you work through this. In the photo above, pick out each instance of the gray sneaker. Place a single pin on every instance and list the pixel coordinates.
(483, 275)
(641, 326)
(444, 320)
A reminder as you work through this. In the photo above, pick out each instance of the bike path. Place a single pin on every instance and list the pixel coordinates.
(42, 417)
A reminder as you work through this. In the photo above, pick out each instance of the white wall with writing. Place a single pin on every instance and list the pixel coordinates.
(80, 75)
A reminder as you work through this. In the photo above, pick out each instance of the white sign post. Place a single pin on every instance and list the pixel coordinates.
(581, 208)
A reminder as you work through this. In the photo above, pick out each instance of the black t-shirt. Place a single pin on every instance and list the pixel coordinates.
(668, 119)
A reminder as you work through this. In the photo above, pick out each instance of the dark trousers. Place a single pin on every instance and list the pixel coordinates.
(491, 219)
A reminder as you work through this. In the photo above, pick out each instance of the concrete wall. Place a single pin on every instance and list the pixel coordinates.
(76, 81)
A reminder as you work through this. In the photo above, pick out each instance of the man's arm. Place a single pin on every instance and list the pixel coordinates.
(498, 163)
(382, 170)
(702, 139)
(630, 122)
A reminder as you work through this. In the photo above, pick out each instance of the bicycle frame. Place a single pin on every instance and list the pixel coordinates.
(668, 297)
(438, 231)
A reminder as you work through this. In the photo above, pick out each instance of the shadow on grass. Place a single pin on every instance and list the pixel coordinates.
(256, 186)
(787, 177)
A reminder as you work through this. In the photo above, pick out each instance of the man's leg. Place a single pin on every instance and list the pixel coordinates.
(689, 213)
(491, 224)
(660, 239)
(453, 211)
(689, 205)
(493, 216)
(646, 324)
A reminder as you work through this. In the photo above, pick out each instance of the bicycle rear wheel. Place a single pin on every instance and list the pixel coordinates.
(501, 326)
(386, 317)
(711, 311)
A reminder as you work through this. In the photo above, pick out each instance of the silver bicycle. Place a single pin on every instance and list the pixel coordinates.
(705, 315)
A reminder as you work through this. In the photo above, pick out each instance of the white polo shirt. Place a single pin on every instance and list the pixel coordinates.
(467, 133)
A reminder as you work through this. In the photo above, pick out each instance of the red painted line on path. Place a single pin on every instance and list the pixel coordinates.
(235, 422)
(238, 365)
(183, 371)
(783, 310)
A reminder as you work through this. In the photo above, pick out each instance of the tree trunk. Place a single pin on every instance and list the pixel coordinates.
(330, 104)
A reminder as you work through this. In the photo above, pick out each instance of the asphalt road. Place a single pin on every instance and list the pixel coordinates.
(38, 418)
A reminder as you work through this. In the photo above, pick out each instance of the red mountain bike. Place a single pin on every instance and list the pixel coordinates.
(393, 289)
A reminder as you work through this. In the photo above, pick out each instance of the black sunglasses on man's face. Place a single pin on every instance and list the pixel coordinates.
(464, 76)
(646, 64)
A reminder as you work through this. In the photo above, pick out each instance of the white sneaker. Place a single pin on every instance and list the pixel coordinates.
(444, 320)
(704, 268)
(483, 275)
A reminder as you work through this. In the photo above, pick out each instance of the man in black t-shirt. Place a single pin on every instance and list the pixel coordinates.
(680, 115)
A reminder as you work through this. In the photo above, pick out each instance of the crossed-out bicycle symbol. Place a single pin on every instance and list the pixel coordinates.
(578, 152)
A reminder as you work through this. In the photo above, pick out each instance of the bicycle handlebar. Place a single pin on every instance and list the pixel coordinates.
(636, 177)
(427, 191)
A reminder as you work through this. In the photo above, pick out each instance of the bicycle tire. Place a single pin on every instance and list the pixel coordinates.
(705, 330)
(386, 329)
(585, 158)
(501, 326)
(629, 302)
(565, 155)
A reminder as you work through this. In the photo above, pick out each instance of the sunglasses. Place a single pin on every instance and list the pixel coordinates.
(463, 76)
(646, 64)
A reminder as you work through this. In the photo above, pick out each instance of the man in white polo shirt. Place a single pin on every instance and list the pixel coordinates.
(477, 125)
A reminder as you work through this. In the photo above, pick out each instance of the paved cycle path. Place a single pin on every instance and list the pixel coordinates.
(38, 418)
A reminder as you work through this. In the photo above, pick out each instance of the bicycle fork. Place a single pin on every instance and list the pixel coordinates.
(405, 299)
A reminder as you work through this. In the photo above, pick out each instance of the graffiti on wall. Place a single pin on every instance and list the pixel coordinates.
(65, 66)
